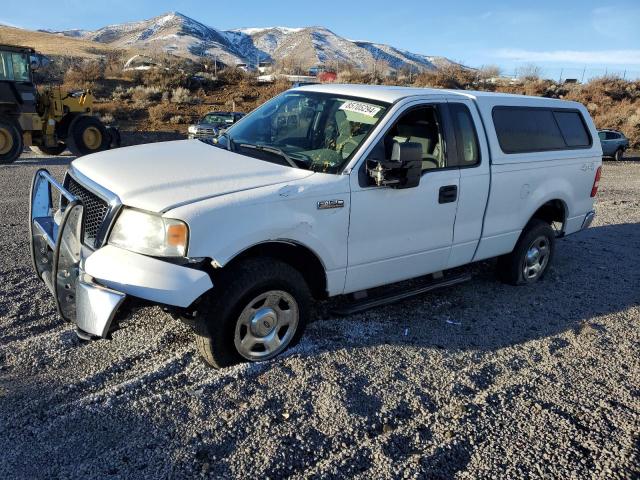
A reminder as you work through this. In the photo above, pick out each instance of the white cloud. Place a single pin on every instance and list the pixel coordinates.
(582, 57)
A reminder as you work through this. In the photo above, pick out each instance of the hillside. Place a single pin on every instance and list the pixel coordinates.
(54, 45)
(304, 47)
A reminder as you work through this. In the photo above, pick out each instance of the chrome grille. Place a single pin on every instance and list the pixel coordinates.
(95, 210)
(206, 132)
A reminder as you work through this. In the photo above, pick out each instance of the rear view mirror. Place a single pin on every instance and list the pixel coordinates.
(403, 170)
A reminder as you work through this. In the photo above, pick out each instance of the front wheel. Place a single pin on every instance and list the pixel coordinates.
(259, 309)
(11, 142)
(530, 259)
(619, 155)
(87, 135)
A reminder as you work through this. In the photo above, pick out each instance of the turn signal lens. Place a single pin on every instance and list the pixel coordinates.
(596, 182)
(177, 235)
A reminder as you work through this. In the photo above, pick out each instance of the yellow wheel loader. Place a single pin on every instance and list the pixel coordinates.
(50, 120)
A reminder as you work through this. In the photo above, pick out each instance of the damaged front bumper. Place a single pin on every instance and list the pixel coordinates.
(88, 285)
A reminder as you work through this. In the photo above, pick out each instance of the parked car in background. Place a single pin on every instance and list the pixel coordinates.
(614, 143)
(210, 125)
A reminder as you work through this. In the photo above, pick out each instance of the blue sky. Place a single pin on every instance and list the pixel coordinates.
(563, 37)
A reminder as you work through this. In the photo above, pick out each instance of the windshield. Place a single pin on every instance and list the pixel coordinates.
(217, 118)
(314, 131)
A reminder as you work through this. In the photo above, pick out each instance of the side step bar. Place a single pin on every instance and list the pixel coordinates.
(397, 296)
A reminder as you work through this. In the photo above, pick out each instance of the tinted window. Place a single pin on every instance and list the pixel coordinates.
(602, 135)
(522, 129)
(527, 130)
(612, 136)
(466, 138)
(572, 128)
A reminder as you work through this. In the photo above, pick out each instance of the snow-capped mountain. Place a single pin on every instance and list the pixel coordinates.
(303, 47)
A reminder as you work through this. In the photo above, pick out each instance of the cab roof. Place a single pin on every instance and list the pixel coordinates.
(16, 48)
(391, 94)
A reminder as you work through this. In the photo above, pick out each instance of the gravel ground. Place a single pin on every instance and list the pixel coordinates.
(479, 381)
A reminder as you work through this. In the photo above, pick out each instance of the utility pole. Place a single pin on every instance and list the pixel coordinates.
(584, 70)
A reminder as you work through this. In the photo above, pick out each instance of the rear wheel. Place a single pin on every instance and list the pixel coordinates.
(259, 310)
(87, 135)
(531, 257)
(619, 155)
(11, 142)
(53, 151)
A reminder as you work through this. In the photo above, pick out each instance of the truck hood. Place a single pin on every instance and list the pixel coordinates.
(161, 176)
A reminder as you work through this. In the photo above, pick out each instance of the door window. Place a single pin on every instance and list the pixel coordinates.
(419, 125)
(20, 67)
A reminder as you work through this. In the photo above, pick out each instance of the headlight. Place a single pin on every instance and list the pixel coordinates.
(150, 234)
(193, 129)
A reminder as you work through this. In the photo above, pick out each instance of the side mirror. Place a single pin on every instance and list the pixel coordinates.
(402, 171)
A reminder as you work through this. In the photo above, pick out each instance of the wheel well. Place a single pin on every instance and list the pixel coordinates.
(554, 213)
(298, 256)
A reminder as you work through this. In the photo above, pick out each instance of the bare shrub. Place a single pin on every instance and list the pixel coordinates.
(144, 94)
(177, 120)
(161, 112)
(447, 77)
(85, 73)
(121, 94)
(231, 75)
(182, 95)
(530, 72)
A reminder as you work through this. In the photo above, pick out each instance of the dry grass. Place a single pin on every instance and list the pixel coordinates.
(55, 45)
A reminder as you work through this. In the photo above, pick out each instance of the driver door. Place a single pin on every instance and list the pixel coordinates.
(397, 234)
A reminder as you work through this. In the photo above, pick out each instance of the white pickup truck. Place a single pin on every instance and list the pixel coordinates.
(324, 190)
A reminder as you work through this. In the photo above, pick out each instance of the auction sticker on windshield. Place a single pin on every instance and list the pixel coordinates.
(360, 107)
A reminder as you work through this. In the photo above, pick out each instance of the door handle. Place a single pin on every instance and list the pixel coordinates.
(448, 194)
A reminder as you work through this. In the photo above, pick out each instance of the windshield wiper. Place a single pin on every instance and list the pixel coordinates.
(270, 149)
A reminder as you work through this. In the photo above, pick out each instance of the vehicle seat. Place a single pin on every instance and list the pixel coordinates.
(426, 135)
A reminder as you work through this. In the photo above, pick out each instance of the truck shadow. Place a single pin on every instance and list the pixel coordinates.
(593, 275)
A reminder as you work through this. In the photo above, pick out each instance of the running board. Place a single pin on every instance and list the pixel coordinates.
(393, 297)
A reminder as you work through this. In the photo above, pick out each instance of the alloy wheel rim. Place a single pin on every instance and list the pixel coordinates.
(92, 138)
(536, 259)
(266, 325)
(6, 141)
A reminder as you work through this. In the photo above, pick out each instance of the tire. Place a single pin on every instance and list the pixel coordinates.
(87, 135)
(619, 155)
(250, 305)
(11, 141)
(53, 151)
(533, 253)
